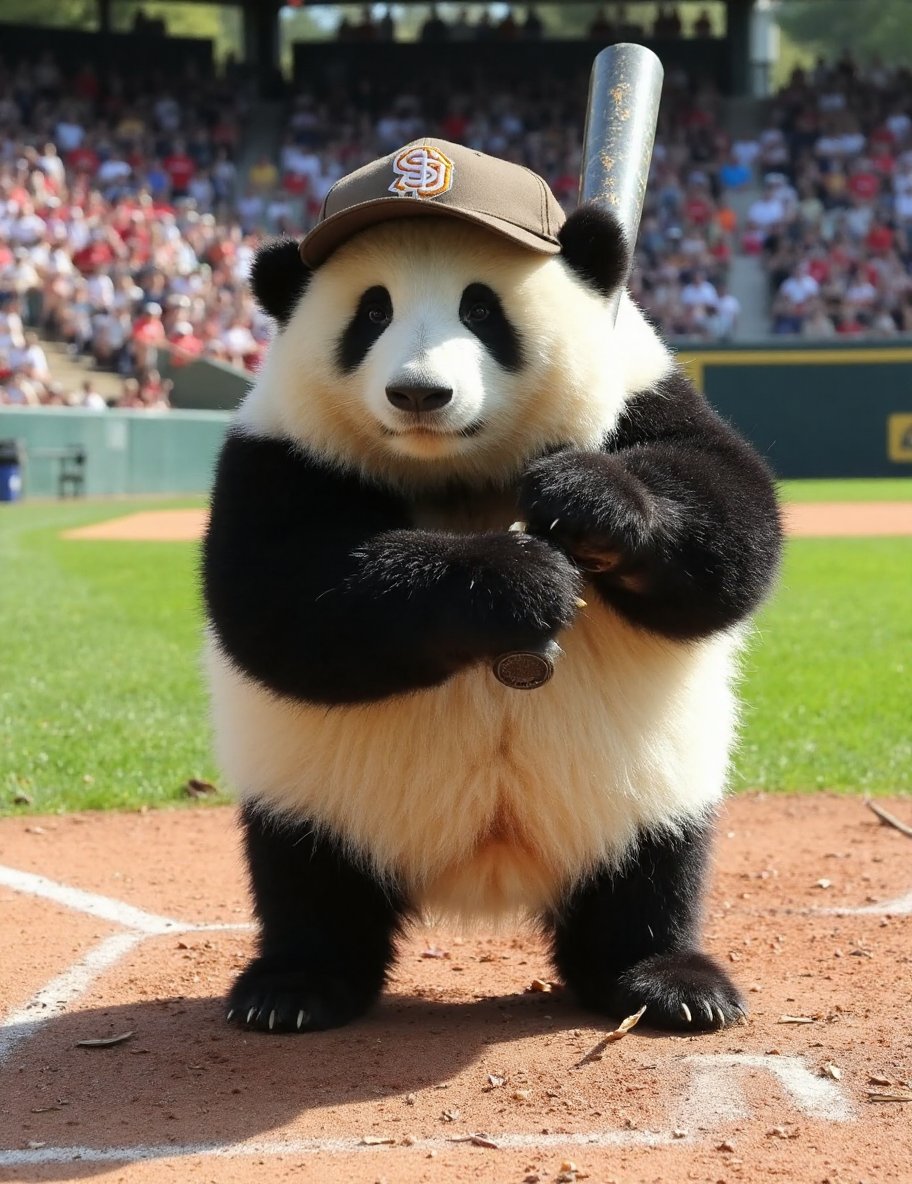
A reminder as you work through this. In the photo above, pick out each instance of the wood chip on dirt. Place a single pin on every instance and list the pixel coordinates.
(476, 1141)
(889, 819)
(104, 1041)
(598, 1050)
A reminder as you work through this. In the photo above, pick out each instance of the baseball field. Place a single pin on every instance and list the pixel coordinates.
(121, 920)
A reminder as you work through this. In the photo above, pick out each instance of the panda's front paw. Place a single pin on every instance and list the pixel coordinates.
(517, 592)
(271, 998)
(587, 504)
(685, 990)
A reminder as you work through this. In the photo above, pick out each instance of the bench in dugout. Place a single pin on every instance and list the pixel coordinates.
(71, 467)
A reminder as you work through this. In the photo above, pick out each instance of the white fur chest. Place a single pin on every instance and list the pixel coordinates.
(484, 799)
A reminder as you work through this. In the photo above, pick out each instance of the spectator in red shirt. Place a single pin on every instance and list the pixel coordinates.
(84, 159)
(697, 207)
(879, 238)
(148, 335)
(180, 169)
(864, 182)
(185, 344)
(96, 255)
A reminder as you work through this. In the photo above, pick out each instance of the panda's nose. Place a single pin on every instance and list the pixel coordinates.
(408, 396)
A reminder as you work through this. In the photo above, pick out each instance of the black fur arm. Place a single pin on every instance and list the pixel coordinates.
(319, 588)
(676, 522)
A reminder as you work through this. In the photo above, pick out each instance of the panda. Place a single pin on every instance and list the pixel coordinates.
(446, 366)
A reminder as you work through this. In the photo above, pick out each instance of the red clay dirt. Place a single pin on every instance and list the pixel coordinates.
(811, 909)
(817, 519)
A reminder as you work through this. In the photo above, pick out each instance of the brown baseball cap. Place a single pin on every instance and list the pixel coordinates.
(432, 176)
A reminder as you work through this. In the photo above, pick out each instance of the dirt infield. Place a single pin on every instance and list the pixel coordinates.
(820, 519)
(845, 519)
(136, 923)
(147, 526)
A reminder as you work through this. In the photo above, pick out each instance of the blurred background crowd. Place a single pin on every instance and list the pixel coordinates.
(131, 204)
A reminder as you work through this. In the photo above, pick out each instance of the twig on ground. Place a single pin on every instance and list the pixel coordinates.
(889, 819)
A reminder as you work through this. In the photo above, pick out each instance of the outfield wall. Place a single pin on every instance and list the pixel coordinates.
(814, 411)
(127, 452)
(829, 411)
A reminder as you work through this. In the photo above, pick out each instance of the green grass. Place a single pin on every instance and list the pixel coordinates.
(886, 489)
(102, 701)
(827, 687)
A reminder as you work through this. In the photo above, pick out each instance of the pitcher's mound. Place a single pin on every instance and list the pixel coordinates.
(156, 526)
(811, 520)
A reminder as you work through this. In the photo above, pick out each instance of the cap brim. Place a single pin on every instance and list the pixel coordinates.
(319, 244)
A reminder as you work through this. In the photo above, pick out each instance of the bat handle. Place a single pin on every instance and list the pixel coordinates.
(527, 670)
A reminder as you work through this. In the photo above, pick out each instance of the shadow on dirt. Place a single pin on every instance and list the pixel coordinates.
(186, 1077)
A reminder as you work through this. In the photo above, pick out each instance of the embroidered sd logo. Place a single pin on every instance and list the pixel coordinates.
(422, 172)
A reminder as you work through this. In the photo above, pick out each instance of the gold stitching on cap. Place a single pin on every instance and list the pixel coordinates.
(422, 172)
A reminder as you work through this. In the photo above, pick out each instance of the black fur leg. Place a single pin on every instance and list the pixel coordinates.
(630, 937)
(327, 931)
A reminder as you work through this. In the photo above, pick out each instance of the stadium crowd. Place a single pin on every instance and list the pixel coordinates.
(118, 230)
(688, 227)
(833, 226)
(125, 226)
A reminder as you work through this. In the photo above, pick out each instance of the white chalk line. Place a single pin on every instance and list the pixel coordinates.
(279, 1147)
(53, 998)
(901, 906)
(813, 1095)
(91, 903)
(714, 1095)
(106, 908)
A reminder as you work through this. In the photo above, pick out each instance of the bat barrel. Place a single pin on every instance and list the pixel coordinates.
(625, 89)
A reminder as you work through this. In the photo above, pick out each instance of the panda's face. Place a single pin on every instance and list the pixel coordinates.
(426, 349)
(433, 354)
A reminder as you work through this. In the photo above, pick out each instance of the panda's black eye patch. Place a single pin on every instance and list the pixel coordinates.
(373, 314)
(480, 311)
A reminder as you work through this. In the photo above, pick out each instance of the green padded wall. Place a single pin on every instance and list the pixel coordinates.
(127, 452)
(831, 411)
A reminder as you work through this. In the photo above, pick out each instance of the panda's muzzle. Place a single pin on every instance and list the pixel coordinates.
(418, 397)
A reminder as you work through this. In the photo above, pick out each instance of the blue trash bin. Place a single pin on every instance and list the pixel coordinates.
(10, 471)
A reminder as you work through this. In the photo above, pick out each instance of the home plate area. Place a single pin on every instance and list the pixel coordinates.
(475, 1066)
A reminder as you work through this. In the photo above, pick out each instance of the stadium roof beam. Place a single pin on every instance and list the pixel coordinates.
(261, 40)
(261, 33)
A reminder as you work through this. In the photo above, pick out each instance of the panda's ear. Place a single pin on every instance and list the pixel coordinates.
(278, 278)
(593, 245)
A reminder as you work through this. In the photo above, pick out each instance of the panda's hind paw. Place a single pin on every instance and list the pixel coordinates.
(686, 991)
(267, 999)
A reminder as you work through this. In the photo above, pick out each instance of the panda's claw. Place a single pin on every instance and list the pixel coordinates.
(685, 1012)
(720, 1017)
(230, 1016)
(276, 998)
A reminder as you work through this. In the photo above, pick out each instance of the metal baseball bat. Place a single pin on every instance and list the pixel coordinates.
(622, 111)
